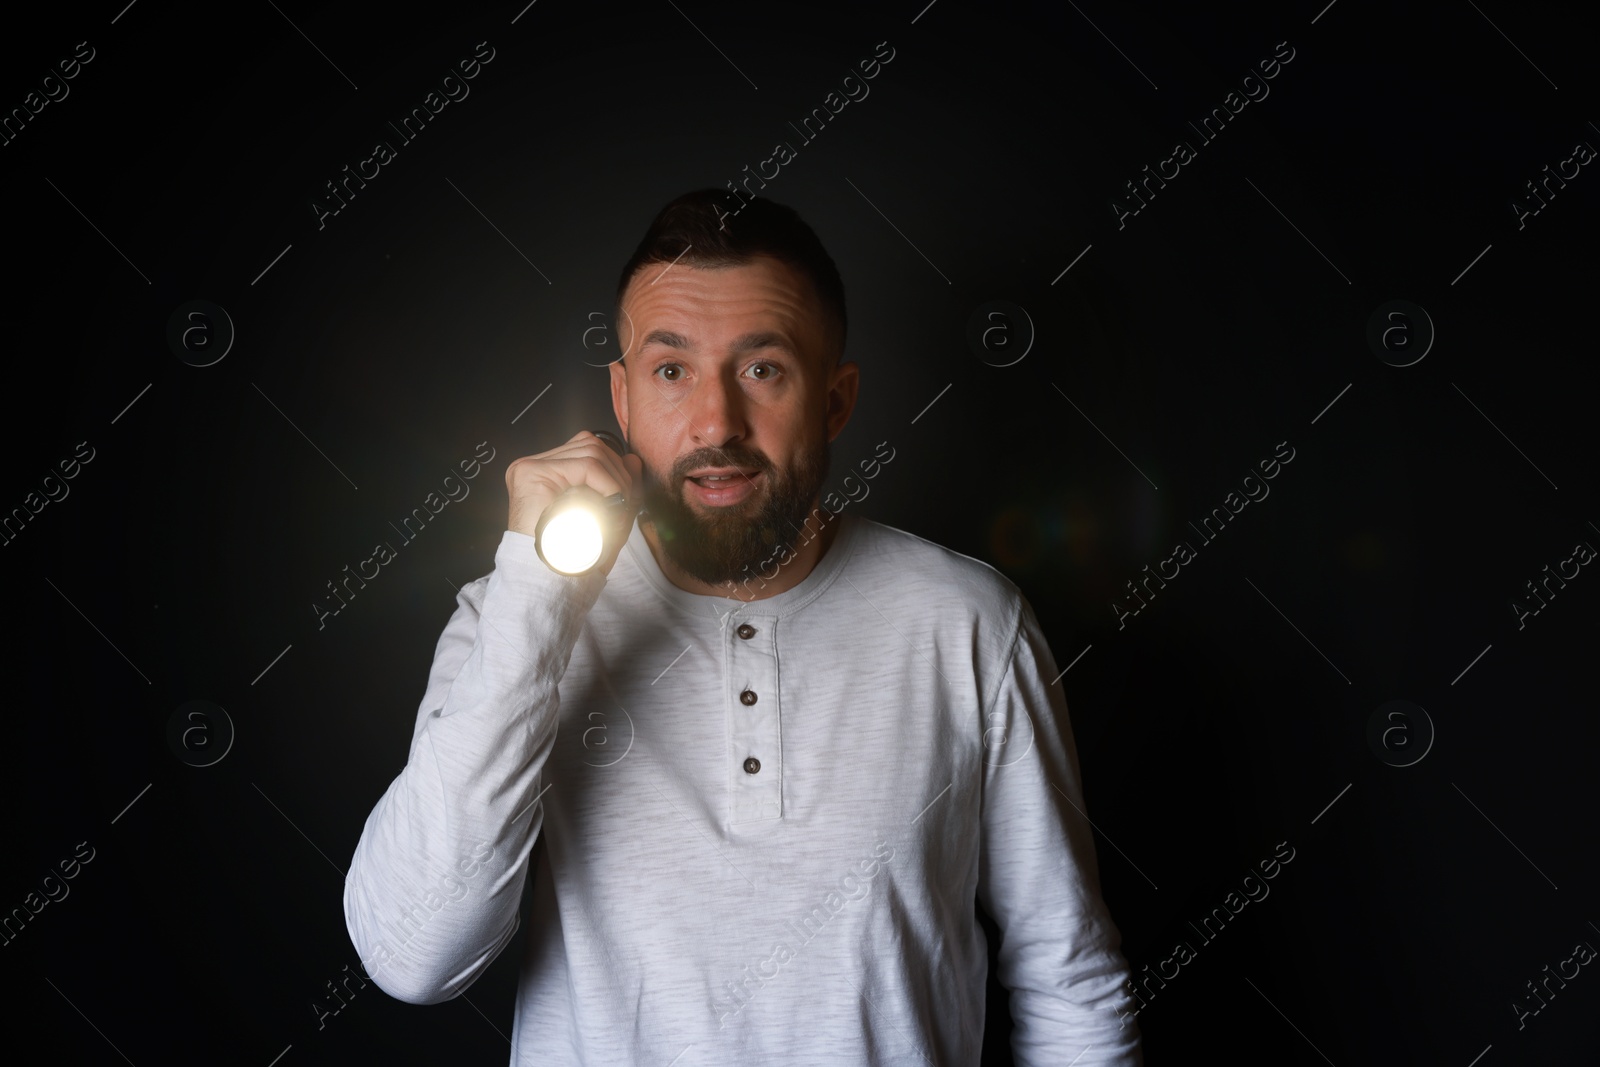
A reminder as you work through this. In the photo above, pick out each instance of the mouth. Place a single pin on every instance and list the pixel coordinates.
(720, 488)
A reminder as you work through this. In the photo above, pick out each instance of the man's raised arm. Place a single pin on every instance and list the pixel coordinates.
(434, 886)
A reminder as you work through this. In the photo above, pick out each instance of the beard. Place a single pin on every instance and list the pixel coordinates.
(721, 545)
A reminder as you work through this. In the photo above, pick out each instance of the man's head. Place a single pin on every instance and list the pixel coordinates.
(732, 328)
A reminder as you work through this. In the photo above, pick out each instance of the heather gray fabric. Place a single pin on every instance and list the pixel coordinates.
(913, 756)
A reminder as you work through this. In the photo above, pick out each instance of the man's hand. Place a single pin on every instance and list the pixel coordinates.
(532, 482)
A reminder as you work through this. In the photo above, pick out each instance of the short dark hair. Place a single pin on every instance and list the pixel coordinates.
(714, 228)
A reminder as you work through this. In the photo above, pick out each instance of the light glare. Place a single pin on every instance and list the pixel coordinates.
(572, 541)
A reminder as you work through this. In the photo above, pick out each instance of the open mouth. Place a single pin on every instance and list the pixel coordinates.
(724, 489)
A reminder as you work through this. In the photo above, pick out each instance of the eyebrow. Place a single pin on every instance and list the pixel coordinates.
(750, 342)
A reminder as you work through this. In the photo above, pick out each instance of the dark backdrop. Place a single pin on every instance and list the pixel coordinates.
(1142, 366)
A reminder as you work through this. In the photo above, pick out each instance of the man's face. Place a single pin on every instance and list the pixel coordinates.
(728, 372)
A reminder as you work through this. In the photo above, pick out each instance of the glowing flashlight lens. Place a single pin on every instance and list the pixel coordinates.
(572, 540)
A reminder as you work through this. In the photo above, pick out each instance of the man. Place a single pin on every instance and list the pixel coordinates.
(773, 756)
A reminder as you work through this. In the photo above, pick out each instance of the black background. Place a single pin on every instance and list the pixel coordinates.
(1229, 315)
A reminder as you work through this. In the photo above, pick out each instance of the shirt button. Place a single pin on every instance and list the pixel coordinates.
(746, 631)
(752, 765)
(747, 697)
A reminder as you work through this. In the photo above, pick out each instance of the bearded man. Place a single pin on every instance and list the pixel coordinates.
(765, 761)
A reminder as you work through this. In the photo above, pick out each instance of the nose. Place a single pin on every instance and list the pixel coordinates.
(716, 411)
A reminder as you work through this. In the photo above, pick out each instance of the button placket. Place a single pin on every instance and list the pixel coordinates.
(755, 734)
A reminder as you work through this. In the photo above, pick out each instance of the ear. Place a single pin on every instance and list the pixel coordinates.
(843, 384)
(619, 394)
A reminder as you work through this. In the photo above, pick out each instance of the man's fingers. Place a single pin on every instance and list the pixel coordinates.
(533, 482)
(586, 444)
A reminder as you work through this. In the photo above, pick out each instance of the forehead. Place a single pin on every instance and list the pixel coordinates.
(705, 304)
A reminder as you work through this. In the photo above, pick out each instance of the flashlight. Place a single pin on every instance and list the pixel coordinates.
(576, 527)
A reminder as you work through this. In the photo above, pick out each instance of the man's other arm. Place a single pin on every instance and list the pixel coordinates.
(1060, 952)
(436, 880)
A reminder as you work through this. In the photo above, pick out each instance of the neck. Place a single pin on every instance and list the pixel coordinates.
(760, 582)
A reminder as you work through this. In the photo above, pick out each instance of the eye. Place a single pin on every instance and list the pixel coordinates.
(670, 367)
(771, 371)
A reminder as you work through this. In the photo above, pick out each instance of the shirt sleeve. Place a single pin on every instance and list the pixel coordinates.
(436, 880)
(1060, 954)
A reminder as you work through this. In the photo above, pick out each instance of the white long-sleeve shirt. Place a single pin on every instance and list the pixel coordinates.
(765, 824)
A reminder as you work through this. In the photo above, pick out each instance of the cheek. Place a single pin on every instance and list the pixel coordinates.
(656, 436)
(655, 474)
